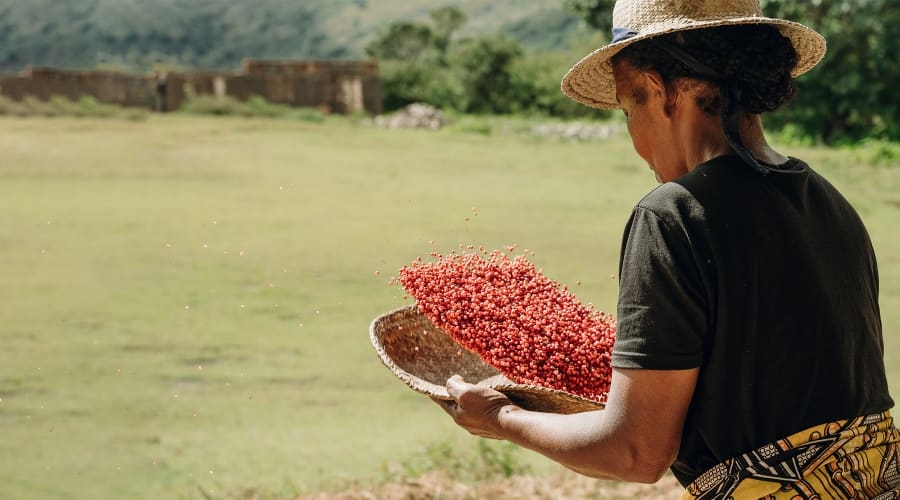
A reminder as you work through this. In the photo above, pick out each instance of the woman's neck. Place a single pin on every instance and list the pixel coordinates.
(703, 139)
(754, 139)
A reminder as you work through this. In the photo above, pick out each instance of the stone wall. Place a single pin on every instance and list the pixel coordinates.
(331, 86)
(105, 86)
(335, 86)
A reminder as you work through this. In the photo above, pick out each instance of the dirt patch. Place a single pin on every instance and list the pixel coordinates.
(565, 486)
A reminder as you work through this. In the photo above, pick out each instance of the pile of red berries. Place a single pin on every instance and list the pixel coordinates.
(529, 327)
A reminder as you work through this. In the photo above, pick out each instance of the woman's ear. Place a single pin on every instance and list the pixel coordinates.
(664, 97)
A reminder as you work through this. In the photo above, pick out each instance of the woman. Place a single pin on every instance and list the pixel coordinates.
(749, 355)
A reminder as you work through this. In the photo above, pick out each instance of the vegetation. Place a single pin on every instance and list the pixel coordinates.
(487, 460)
(209, 34)
(421, 62)
(596, 13)
(254, 107)
(85, 107)
(472, 56)
(188, 297)
(850, 95)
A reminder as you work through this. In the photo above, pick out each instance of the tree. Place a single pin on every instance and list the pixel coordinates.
(850, 95)
(596, 13)
(412, 41)
(404, 83)
(402, 41)
(422, 63)
(536, 78)
(486, 66)
(414, 65)
(445, 21)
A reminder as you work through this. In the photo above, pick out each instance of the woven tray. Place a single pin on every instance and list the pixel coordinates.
(424, 357)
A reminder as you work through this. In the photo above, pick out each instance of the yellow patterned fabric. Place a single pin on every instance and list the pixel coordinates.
(853, 459)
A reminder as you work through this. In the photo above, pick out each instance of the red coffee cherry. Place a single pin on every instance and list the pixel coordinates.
(529, 327)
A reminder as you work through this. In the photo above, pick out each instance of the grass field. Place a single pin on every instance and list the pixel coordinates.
(187, 299)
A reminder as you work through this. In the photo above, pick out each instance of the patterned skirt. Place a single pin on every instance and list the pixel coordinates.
(856, 458)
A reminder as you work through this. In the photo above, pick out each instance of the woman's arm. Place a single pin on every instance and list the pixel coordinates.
(635, 438)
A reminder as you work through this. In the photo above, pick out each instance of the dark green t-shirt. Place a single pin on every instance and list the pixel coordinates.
(769, 285)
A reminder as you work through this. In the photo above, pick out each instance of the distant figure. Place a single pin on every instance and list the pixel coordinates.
(162, 102)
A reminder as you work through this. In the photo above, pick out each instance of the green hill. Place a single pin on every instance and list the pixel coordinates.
(219, 34)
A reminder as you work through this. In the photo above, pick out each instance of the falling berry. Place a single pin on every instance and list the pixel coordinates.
(532, 329)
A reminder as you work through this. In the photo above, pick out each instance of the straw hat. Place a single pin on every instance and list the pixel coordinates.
(590, 81)
(423, 356)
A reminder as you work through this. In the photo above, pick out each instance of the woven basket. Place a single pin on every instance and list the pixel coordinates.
(423, 356)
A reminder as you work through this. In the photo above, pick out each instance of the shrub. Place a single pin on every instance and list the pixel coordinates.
(489, 460)
(9, 107)
(254, 107)
(58, 106)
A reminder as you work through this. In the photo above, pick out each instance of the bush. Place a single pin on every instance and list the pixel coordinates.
(485, 66)
(211, 105)
(878, 152)
(543, 73)
(849, 96)
(404, 83)
(485, 76)
(254, 107)
(490, 460)
(9, 107)
(472, 125)
(58, 106)
(307, 115)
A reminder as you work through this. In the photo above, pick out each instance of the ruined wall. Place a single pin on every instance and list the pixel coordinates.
(14, 87)
(330, 86)
(341, 86)
(106, 87)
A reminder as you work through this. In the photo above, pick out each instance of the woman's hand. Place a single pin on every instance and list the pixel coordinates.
(634, 438)
(477, 409)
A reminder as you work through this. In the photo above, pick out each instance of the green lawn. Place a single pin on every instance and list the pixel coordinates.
(187, 299)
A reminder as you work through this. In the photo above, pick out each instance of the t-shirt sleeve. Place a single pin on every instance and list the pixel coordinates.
(661, 313)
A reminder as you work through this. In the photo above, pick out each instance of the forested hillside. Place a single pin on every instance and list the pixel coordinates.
(218, 34)
(848, 97)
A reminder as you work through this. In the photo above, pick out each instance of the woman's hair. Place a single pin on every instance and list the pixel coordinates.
(754, 59)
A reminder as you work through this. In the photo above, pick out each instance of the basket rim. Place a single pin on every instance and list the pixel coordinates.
(555, 399)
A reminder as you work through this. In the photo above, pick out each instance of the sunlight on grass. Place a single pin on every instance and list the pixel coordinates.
(188, 298)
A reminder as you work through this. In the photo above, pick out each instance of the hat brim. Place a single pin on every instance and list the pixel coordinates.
(590, 81)
(423, 357)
